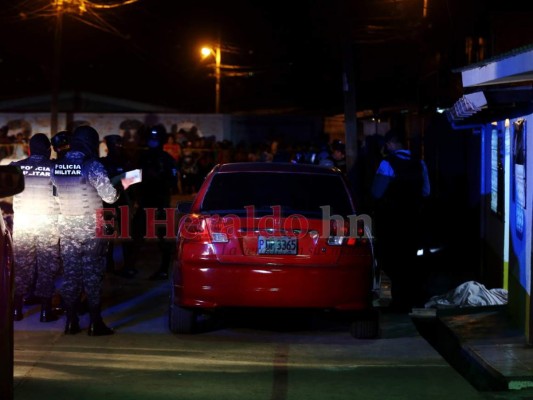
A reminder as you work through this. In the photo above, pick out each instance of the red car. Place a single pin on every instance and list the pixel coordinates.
(273, 235)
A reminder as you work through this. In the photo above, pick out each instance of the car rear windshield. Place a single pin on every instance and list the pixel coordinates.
(295, 194)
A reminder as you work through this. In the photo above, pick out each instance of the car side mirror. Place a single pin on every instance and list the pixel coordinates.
(11, 180)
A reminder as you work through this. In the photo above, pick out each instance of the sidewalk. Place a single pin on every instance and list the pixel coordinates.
(481, 344)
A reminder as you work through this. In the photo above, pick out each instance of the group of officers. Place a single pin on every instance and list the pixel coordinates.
(57, 231)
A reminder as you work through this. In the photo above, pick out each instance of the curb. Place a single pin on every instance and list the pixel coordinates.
(459, 354)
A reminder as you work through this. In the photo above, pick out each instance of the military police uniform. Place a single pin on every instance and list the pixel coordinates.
(35, 231)
(81, 184)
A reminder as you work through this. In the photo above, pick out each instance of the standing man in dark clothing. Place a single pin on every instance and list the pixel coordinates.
(116, 163)
(80, 184)
(35, 231)
(159, 178)
(399, 188)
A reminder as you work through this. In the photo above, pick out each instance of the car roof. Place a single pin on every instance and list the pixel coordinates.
(275, 167)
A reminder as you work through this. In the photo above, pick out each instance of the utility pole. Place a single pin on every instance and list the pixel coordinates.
(217, 77)
(78, 7)
(56, 74)
(216, 53)
(350, 110)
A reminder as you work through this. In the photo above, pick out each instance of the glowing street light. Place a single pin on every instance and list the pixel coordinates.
(206, 52)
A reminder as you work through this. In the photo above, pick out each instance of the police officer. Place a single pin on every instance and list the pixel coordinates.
(35, 231)
(61, 143)
(159, 178)
(80, 184)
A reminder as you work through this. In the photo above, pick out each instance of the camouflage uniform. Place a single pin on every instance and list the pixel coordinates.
(35, 233)
(81, 183)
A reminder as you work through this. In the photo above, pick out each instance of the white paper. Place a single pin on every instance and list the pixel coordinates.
(136, 174)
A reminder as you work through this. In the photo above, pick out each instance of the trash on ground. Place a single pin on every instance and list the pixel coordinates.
(469, 294)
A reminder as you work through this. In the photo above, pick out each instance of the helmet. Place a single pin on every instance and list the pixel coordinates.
(40, 145)
(61, 141)
(86, 140)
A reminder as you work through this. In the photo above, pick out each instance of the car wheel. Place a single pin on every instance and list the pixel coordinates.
(180, 320)
(366, 326)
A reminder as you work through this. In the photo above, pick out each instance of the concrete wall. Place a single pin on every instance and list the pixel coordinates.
(217, 125)
(249, 128)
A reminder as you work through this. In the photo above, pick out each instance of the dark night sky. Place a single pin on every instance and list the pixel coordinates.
(157, 57)
(291, 51)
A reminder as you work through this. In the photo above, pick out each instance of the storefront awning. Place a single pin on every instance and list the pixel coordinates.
(491, 104)
(498, 88)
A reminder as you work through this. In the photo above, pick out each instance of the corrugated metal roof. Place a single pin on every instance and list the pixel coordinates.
(512, 53)
(506, 82)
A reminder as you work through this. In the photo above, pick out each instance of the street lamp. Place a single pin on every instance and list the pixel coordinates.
(206, 52)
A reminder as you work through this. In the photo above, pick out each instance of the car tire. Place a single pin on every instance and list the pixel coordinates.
(180, 320)
(366, 326)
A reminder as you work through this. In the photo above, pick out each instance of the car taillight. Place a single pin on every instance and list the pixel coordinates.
(360, 233)
(337, 228)
(217, 229)
(341, 233)
(193, 227)
(203, 228)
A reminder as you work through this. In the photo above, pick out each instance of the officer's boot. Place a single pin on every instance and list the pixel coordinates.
(73, 322)
(97, 327)
(47, 314)
(18, 302)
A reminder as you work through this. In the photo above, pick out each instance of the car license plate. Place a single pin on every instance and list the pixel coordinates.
(277, 245)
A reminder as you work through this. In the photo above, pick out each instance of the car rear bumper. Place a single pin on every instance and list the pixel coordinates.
(201, 285)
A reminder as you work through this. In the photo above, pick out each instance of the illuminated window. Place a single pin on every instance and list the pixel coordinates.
(497, 155)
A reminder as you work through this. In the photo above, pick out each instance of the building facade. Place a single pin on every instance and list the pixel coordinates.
(498, 106)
